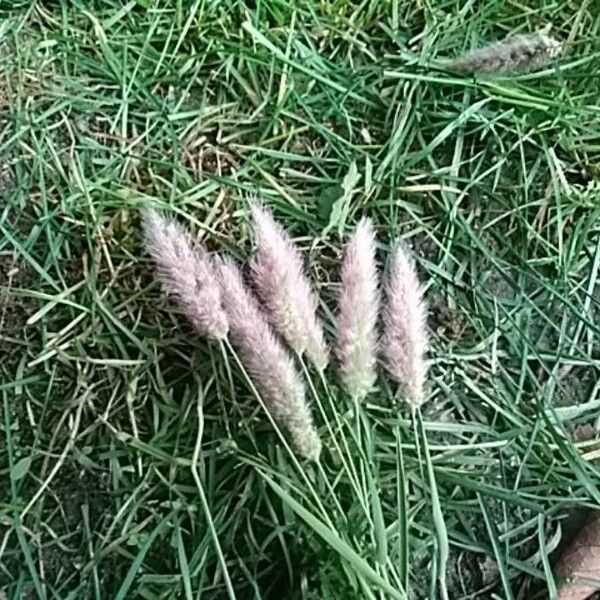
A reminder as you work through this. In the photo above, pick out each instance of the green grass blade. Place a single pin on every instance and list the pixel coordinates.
(336, 543)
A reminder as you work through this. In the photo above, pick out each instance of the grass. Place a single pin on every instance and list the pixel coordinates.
(135, 460)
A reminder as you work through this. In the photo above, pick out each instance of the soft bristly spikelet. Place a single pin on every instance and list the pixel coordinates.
(285, 291)
(269, 365)
(404, 341)
(359, 304)
(187, 272)
(515, 54)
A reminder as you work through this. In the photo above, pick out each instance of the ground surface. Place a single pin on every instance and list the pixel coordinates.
(109, 487)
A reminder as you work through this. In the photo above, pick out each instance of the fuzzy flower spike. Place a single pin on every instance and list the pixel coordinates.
(404, 343)
(360, 299)
(515, 54)
(187, 273)
(285, 291)
(269, 365)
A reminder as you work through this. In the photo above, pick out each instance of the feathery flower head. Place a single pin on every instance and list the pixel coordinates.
(187, 272)
(269, 365)
(404, 342)
(359, 308)
(515, 54)
(284, 289)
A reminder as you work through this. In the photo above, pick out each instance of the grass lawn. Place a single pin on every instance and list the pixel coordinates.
(135, 461)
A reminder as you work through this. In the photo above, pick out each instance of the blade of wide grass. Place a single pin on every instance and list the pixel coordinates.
(441, 533)
(496, 548)
(16, 518)
(133, 571)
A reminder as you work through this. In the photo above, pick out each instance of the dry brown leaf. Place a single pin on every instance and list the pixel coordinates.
(579, 566)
